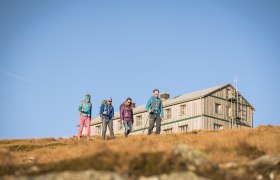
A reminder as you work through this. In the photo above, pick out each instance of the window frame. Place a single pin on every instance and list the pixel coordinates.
(183, 128)
(184, 111)
(120, 125)
(139, 120)
(168, 131)
(218, 126)
(218, 108)
(167, 115)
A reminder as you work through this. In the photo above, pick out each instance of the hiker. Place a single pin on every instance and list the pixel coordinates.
(107, 115)
(155, 108)
(85, 116)
(126, 116)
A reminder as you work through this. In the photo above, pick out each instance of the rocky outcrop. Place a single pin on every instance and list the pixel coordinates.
(183, 157)
(180, 162)
(69, 175)
(264, 167)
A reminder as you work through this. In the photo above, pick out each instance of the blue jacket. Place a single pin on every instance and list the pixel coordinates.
(109, 109)
(155, 104)
(86, 106)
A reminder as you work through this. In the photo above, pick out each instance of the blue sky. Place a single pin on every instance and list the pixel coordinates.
(53, 52)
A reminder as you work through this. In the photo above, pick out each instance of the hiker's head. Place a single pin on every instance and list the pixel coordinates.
(87, 96)
(109, 100)
(128, 101)
(156, 92)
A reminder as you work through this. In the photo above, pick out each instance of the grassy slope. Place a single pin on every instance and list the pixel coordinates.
(137, 154)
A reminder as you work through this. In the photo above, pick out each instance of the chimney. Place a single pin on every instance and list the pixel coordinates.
(133, 105)
(164, 96)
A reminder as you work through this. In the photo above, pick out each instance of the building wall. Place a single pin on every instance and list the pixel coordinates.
(200, 114)
(224, 117)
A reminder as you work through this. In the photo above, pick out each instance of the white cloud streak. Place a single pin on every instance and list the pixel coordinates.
(15, 76)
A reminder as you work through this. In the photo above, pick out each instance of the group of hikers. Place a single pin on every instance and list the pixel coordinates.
(154, 107)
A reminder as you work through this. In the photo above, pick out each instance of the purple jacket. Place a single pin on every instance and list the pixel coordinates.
(126, 113)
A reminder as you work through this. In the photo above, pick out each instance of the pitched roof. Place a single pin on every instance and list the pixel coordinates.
(194, 95)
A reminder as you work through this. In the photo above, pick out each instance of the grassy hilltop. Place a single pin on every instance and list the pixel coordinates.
(225, 154)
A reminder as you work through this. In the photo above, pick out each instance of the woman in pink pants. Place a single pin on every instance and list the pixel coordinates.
(85, 116)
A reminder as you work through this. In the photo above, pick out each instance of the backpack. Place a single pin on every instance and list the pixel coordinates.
(155, 104)
(102, 103)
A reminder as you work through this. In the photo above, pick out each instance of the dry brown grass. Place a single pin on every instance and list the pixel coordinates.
(135, 154)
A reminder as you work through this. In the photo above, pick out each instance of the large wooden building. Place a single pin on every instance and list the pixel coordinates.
(219, 107)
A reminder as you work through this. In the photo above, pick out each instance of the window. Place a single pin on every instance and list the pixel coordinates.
(168, 131)
(120, 125)
(229, 111)
(182, 110)
(218, 108)
(167, 114)
(217, 126)
(183, 128)
(138, 120)
(98, 130)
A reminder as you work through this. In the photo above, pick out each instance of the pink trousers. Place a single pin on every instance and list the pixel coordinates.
(84, 120)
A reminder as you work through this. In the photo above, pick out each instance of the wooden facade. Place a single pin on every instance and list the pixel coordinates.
(219, 107)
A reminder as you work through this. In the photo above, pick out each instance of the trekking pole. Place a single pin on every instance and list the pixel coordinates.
(145, 125)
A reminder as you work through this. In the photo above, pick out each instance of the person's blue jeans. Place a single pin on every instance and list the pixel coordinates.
(127, 127)
(107, 122)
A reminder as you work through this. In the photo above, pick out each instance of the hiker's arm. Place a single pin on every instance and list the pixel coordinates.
(80, 107)
(121, 112)
(148, 105)
(90, 111)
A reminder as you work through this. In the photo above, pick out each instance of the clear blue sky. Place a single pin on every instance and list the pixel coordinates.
(53, 52)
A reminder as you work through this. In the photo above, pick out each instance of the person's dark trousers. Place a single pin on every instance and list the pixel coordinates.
(107, 122)
(154, 118)
(127, 127)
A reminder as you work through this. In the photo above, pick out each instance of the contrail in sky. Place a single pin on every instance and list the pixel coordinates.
(15, 76)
